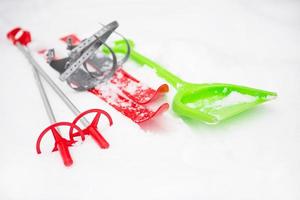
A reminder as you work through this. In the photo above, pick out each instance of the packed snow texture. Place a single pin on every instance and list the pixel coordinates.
(216, 104)
(233, 98)
(252, 156)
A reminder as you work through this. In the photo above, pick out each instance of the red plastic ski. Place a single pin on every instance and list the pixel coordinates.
(126, 94)
(130, 86)
(137, 112)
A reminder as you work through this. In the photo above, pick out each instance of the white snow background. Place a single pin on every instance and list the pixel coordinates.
(253, 156)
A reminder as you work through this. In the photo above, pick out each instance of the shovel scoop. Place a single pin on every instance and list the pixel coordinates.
(210, 103)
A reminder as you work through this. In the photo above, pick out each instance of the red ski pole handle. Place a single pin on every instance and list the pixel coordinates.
(19, 35)
(92, 128)
(61, 144)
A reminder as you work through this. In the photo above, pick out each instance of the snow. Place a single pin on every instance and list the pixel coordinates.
(231, 99)
(252, 156)
(214, 104)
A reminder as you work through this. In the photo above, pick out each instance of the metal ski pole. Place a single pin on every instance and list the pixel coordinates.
(61, 144)
(43, 93)
(58, 91)
(91, 128)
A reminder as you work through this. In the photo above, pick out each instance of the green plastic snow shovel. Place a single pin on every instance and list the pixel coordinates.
(210, 103)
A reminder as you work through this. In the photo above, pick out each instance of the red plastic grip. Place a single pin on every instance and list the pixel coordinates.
(92, 128)
(23, 39)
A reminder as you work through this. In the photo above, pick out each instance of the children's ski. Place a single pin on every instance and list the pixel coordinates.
(125, 93)
(129, 86)
(137, 112)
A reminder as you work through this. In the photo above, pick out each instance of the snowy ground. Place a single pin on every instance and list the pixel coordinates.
(253, 156)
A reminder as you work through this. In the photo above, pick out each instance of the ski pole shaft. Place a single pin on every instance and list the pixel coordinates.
(44, 96)
(42, 91)
(21, 41)
(59, 92)
(92, 129)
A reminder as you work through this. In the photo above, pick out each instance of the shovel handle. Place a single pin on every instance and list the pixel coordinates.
(120, 47)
